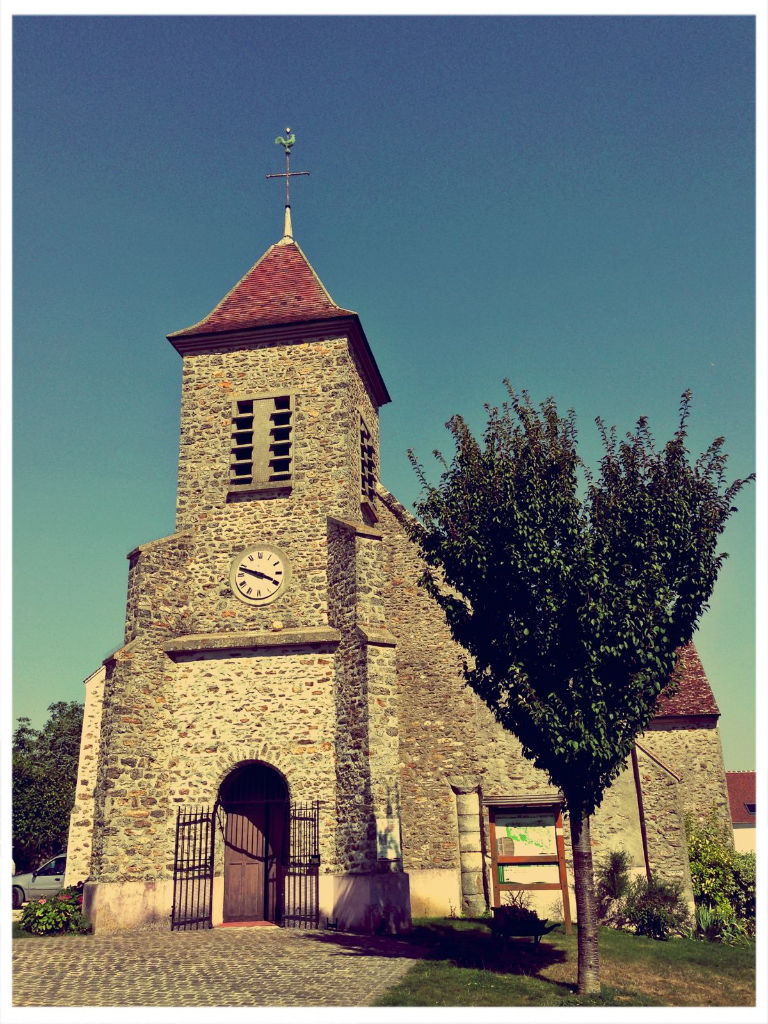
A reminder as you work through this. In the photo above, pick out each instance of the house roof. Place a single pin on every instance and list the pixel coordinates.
(694, 695)
(741, 791)
(280, 288)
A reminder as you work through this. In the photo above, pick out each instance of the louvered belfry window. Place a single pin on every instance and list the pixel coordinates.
(262, 429)
(367, 462)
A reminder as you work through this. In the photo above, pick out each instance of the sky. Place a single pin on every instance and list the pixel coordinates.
(566, 202)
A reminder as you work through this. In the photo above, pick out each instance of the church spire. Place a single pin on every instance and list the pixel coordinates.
(288, 227)
(287, 142)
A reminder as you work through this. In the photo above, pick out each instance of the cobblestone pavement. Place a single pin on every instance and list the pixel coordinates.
(218, 967)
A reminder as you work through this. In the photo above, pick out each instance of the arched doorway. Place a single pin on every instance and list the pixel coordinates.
(256, 801)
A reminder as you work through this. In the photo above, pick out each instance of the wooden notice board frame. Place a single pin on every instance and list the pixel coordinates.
(534, 807)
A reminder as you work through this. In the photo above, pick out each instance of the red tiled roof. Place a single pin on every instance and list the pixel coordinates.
(741, 791)
(694, 695)
(281, 288)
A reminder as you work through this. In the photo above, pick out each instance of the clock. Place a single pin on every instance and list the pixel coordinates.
(260, 574)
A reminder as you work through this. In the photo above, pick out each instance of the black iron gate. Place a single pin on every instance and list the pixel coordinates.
(300, 900)
(193, 868)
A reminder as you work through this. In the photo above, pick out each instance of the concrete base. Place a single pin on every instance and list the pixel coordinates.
(121, 906)
(373, 903)
(436, 892)
(377, 902)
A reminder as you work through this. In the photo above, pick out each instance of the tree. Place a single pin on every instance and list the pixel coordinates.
(44, 771)
(572, 592)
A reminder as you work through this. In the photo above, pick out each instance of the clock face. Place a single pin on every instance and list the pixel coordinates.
(259, 575)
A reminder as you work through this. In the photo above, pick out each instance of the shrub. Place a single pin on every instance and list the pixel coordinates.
(709, 923)
(737, 933)
(656, 909)
(716, 925)
(711, 856)
(612, 881)
(55, 914)
(743, 896)
(723, 880)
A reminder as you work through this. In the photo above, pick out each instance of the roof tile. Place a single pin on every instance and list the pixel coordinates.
(280, 288)
(741, 791)
(694, 695)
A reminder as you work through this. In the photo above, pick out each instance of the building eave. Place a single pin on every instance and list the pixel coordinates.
(666, 722)
(323, 329)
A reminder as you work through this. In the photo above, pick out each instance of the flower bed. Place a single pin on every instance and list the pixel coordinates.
(57, 914)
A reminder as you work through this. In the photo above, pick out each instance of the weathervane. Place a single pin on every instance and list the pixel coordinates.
(287, 142)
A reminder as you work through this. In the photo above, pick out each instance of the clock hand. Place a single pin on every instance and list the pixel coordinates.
(261, 575)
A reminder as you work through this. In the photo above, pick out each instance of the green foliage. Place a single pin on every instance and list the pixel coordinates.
(656, 908)
(718, 925)
(44, 772)
(56, 914)
(723, 880)
(612, 876)
(709, 922)
(743, 898)
(572, 605)
(710, 851)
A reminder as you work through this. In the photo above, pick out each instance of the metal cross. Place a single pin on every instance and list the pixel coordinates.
(287, 143)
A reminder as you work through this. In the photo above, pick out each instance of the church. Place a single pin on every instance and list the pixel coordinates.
(285, 735)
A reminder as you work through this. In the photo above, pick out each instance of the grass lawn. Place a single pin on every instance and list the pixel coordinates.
(463, 965)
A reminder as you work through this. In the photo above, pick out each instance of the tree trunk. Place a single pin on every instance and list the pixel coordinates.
(589, 956)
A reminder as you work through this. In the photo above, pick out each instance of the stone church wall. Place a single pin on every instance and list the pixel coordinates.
(366, 699)
(324, 715)
(329, 398)
(275, 706)
(664, 823)
(132, 805)
(616, 823)
(695, 753)
(353, 799)
(80, 843)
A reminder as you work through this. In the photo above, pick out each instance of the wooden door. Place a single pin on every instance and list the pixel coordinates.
(255, 801)
(245, 864)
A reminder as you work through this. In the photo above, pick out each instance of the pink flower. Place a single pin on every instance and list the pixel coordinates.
(42, 901)
(79, 899)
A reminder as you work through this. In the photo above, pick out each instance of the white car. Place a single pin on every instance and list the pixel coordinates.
(46, 881)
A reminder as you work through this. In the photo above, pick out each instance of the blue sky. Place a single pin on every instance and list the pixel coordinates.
(566, 202)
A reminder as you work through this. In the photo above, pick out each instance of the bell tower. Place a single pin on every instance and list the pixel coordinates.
(279, 430)
(255, 634)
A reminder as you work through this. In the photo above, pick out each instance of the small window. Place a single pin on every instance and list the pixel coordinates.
(367, 463)
(750, 808)
(261, 452)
